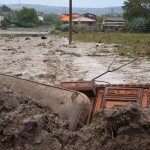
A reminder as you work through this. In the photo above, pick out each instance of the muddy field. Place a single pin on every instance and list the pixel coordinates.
(28, 125)
(52, 60)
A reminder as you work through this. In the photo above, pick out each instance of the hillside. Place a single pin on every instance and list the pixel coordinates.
(60, 10)
(4, 10)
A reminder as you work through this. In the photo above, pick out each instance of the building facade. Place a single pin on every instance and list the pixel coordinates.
(113, 23)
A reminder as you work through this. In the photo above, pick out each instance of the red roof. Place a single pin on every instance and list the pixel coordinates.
(65, 17)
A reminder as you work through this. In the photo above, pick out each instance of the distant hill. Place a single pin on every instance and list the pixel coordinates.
(61, 10)
(4, 10)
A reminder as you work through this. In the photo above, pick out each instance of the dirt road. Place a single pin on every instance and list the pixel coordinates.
(52, 60)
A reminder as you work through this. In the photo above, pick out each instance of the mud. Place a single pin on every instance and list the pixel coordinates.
(26, 125)
(52, 60)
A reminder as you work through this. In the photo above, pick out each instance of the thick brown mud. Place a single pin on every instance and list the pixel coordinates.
(27, 125)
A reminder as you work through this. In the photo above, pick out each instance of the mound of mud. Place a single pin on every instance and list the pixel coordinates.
(26, 125)
(122, 128)
(126, 127)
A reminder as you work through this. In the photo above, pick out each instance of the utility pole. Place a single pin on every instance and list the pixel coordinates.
(70, 21)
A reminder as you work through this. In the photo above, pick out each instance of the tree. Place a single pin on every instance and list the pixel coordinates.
(52, 19)
(136, 9)
(148, 25)
(100, 19)
(138, 25)
(28, 16)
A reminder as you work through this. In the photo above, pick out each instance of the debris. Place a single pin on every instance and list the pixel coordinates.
(27, 38)
(43, 37)
(19, 74)
(25, 124)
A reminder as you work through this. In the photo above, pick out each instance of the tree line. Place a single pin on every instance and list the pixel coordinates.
(28, 17)
(136, 14)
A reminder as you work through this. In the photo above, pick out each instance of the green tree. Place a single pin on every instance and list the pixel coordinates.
(100, 19)
(148, 24)
(28, 17)
(138, 25)
(136, 9)
(52, 19)
(11, 17)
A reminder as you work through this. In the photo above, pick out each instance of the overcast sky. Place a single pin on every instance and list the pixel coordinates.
(76, 3)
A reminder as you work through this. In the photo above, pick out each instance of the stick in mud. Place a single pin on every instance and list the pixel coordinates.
(108, 70)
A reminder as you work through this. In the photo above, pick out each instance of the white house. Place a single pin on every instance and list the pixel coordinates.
(1, 18)
(41, 18)
(84, 21)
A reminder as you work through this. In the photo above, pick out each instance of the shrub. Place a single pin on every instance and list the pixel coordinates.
(79, 28)
(148, 25)
(52, 19)
(63, 28)
(138, 25)
(85, 29)
(55, 32)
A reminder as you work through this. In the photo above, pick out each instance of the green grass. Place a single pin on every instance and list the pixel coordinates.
(103, 50)
(131, 44)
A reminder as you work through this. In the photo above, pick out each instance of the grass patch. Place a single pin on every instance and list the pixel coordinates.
(64, 53)
(103, 50)
(132, 44)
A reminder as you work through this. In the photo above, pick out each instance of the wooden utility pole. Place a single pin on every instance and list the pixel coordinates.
(70, 21)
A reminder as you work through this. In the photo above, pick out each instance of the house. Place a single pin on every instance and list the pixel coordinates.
(65, 17)
(113, 23)
(79, 19)
(41, 16)
(83, 21)
(1, 19)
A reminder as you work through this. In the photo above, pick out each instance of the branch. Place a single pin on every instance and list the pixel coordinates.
(123, 65)
(108, 70)
(112, 62)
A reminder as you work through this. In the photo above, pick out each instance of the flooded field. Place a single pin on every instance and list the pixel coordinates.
(26, 124)
(52, 60)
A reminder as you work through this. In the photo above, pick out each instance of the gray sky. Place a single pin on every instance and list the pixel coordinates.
(76, 3)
